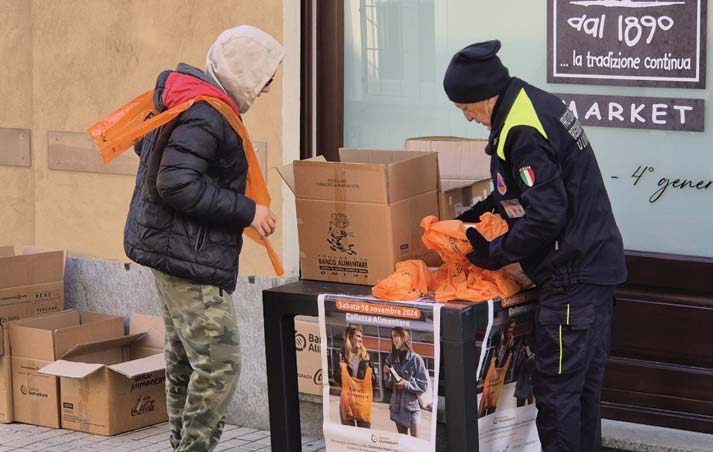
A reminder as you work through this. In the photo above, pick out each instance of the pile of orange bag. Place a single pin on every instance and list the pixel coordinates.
(457, 278)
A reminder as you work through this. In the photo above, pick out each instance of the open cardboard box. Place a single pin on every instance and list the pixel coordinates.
(464, 170)
(357, 217)
(459, 159)
(36, 342)
(116, 385)
(456, 197)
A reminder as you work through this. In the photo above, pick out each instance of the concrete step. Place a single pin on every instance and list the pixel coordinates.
(625, 436)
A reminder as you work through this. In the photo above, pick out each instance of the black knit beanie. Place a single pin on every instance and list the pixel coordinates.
(475, 73)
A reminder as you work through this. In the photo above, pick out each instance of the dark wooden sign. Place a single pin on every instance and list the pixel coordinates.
(627, 42)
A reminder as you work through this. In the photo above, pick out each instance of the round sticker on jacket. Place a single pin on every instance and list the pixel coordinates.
(502, 188)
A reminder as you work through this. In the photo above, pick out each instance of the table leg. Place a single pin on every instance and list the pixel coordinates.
(461, 396)
(281, 363)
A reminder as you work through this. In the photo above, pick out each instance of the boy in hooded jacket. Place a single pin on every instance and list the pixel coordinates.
(186, 222)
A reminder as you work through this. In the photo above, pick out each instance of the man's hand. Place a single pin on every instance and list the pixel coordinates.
(265, 221)
(386, 368)
(480, 257)
(401, 384)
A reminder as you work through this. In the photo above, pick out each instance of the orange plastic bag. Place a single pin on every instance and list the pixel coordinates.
(408, 282)
(493, 386)
(491, 226)
(447, 238)
(445, 279)
(126, 126)
(457, 278)
(357, 395)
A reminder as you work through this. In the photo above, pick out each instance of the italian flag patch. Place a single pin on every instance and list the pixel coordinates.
(527, 175)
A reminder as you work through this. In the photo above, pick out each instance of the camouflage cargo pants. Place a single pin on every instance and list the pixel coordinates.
(202, 360)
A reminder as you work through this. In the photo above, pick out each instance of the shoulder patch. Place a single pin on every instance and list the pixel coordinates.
(527, 174)
(502, 188)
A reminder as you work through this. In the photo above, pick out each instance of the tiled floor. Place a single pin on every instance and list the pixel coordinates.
(22, 437)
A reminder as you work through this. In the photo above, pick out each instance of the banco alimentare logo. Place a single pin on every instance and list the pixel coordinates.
(339, 238)
(300, 342)
(317, 378)
(144, 405)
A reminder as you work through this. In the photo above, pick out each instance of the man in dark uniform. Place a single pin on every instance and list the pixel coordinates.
(549, 188)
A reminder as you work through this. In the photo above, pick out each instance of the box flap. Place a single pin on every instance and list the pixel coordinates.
(414, 176)
(94, 327)
(2, 340)
(29, 269)
(7, 251)
(153, 327)
(457, 184)
(342, 182)
(141, 366)
(458, 158)
(49, 322)
(137, 352)
(70, 369)
(33, 337)
(373, 156)
(287, 172)
(27, 249)
(93, 347)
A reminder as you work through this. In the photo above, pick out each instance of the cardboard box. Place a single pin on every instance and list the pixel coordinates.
(117, 385)
(356, 218)
(36, 342)
(459, 159)
(31, 284)
(309, 358)
(464, 169)
(455, 198)
(6, 411)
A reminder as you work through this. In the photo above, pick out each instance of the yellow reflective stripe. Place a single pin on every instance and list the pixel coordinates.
(567, 313)
(522, 113)
(560, 368)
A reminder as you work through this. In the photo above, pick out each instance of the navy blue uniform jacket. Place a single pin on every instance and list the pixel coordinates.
(550, 189)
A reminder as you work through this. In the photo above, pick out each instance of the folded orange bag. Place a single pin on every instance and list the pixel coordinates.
(408, 282)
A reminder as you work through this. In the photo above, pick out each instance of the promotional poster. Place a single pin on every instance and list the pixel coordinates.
(506, 406)
(380, 363)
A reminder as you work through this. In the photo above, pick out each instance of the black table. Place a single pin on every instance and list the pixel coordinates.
(281, 304)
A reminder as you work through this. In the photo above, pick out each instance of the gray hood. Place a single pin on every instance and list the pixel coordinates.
(241, 61)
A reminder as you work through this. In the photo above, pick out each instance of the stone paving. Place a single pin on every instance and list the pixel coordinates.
(23, 437)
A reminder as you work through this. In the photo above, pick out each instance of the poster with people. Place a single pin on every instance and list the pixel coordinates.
(381, 362)
(506, 364)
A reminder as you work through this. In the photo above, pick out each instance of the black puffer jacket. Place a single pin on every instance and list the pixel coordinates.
(189, 210)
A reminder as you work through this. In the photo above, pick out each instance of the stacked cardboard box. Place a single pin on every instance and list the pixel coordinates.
(36, 342)
(357, 217)
(116, 385)
(31, 284)
(464, 170)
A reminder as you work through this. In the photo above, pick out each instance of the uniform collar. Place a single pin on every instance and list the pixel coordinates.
(502, 108)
